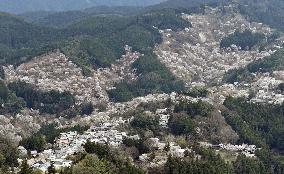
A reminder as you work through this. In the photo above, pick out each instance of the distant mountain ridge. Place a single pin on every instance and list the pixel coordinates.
(57, 19)
(62, 19)
(22, 6)
(187, 3)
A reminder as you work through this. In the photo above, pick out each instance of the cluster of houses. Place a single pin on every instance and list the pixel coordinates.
(193, 55)
(263, 88)
(121, 108)
(247, 150)
(163, 117)
(161, 153)
(70, 143)
(106, 132)
(53, 71)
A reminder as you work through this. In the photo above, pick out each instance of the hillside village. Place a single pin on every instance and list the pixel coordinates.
(105, 130)
(192, 55)
(71, 143)
(263, 88)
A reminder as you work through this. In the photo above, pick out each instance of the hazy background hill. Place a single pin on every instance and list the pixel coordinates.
(63, 18)
(22, 6)
(186, 3)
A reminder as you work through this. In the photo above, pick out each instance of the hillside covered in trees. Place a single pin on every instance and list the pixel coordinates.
(154, 77)
(98, 42)
(268, 12)
(259, 124)
(265, 65)
(245, 40)
(65, 18)
(93, 91)
(21, 40)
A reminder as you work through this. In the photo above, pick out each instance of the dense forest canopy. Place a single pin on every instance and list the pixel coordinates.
(23, 6)
(246, 39)
(263, 122)
(21, 40)
(10, 103)
(63, 19)
(50, 102)
(268, 12)
(260, 124)
(18, 95)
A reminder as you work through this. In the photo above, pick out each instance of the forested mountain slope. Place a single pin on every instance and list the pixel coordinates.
(97, 42)
(63, 19)
(20, 40)
(186, 86)
(268, 12)
(186, 3)
(21, 6)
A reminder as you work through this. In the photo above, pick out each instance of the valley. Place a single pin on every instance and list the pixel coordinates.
(194, 89)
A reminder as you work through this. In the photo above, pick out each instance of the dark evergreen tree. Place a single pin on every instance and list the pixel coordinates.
(25, 168)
